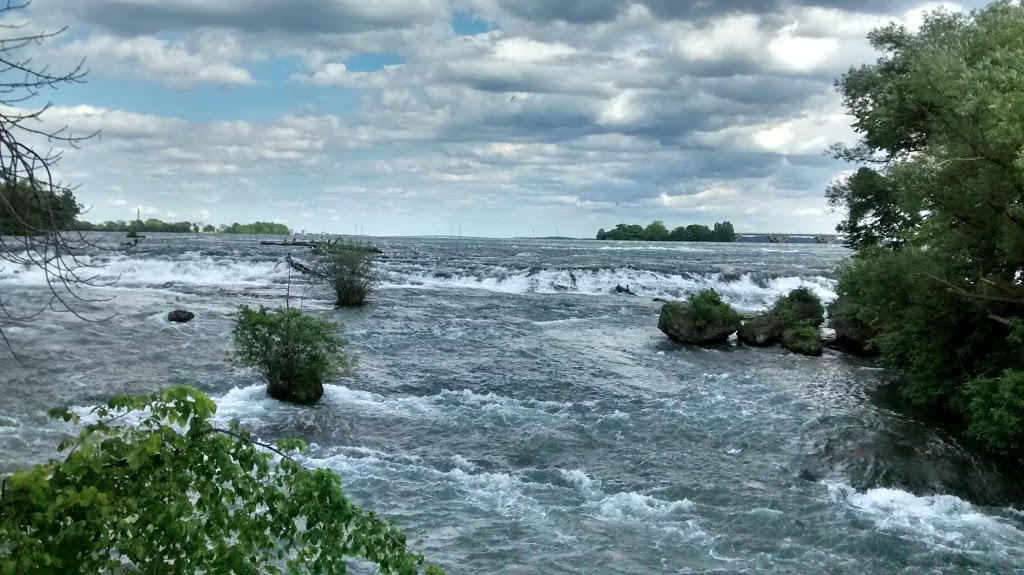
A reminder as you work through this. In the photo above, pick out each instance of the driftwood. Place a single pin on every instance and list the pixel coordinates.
(299, 266)
(291, 243)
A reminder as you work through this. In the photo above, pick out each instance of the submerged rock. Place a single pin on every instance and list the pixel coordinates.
(304, 394)
(180, 316)
(625, 290)
(704, 318)
(803, 339)
(761, 330)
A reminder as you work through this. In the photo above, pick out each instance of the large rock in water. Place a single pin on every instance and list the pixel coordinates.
(803, 339)
(180, 316)
(304, 394)
(761, 330)
(705, 318)
(799, 307)
(852, 335)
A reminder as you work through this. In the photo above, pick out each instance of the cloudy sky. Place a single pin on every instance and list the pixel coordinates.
(503, 117)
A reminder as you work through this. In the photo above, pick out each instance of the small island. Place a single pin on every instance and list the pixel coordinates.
(656, 231)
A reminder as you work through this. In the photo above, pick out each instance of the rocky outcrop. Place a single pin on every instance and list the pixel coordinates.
(180, 316)
(702, 319)
(761, 330)
(803, 339)
(799, 307)
(853, 335)
(794, 321)
(623, 290)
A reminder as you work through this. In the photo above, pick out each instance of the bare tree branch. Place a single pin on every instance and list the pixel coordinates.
(38, 211)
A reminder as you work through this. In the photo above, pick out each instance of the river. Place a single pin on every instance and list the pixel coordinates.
(514, 415)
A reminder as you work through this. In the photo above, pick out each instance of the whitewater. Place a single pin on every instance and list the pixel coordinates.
(515, 415)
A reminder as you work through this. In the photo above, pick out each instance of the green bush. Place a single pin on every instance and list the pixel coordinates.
(348, 270)
(995, 411)
(800, 306)
(803, 338)
(294, 353)
(708, 309)
(703, 319)
(173, 492)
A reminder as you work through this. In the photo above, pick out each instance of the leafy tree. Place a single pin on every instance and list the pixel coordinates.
(209, 229)
(155, 486)
(27, 208)
(626, 232)
(723, 232)
(348, 270)
(601, 234)
(939, 123)
(656, 231)
(293, 352)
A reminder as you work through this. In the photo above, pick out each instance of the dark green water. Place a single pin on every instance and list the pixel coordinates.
(515, 416)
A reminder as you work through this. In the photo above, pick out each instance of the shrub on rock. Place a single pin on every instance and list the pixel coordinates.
(761, 330)
(800, 306)
(853, 334)
(293, 352)
(804, 339)
(704, 318)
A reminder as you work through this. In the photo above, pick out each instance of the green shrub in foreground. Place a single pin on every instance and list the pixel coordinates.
(293, 352)
(172, 492)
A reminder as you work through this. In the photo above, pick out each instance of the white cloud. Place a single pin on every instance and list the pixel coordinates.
(337, 74)
(570, 113)
(170, 63)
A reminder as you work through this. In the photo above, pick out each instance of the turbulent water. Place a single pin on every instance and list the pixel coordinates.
(514, 415)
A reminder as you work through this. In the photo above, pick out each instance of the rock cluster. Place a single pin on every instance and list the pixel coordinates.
(795, 322)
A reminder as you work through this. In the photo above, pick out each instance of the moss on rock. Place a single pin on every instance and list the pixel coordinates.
(704, 318)
(804, 339)
(761, 330)
(799, 306)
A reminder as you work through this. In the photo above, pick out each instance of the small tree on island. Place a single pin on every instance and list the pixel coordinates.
(348, 270)
(173, 492)
(293, 352)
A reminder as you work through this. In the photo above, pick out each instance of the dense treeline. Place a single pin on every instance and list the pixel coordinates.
(155, 225)
(27, 208)
(657, 232)
(936, 216)
(267, 228)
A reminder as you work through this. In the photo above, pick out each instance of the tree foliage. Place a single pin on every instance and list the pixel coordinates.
(257, 228)
(293, 352)
(937, 213)
(657, 232)
(28, 208)
(152, 485)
